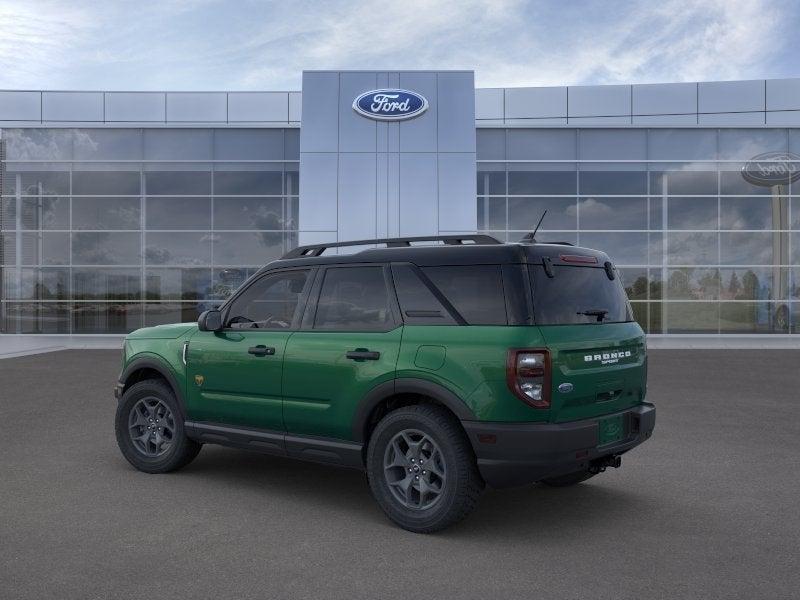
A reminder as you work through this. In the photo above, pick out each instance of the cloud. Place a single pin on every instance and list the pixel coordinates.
(212, 44)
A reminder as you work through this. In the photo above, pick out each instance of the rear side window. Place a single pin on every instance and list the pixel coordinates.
(476, 292)
(354, 299)
(418, 303)
(577, 295)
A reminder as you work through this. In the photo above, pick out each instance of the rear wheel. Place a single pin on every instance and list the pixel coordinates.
(421, 469)
(149, 429)
(568, 479)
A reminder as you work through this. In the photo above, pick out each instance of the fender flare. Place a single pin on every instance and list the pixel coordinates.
(149, 362)
(406, 385)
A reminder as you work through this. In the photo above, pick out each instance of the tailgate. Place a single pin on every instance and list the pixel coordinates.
(602, 367)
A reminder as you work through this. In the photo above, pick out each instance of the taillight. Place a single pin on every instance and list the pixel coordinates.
(528, 376)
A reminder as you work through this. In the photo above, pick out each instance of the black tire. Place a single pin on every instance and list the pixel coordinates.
(175, 453)
(459, 489)
(568, 479)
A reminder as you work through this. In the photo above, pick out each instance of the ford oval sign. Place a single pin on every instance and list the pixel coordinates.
(390, 105)
(772, 168)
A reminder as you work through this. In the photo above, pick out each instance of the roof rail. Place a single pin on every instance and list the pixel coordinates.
(449, 240)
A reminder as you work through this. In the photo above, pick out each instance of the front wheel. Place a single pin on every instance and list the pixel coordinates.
(422, 470)
(150, 431)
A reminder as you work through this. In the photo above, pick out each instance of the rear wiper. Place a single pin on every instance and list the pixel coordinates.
(595, 312)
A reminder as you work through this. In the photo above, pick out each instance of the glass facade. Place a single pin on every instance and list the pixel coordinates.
(701, 249)
(108, 230)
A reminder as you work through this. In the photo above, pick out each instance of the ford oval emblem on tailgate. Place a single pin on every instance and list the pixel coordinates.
(565, 388)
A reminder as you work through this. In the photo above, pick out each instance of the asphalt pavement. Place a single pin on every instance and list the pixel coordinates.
(708, 508)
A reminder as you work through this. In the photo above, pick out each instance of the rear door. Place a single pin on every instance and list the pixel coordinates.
(597, 350)
(348, 343)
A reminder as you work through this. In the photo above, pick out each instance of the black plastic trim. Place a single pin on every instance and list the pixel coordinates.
(406, 385)
(138, 364)
(280, 443)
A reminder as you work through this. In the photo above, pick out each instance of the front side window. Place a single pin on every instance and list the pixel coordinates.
(577, 295)
(354, 299)
(272, 302)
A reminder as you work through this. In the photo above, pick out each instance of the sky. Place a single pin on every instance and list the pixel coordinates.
(258, 45)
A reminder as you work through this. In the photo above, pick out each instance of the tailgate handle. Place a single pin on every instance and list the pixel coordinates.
(362, 354)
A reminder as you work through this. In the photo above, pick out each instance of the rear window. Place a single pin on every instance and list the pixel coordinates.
(476, 292)
(577, 295)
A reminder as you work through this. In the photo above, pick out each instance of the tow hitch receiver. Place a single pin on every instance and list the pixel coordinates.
(601, 464)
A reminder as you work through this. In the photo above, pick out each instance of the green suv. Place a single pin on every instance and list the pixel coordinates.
(436, 368)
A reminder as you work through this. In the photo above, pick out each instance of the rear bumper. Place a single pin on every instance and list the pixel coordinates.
(511, 454)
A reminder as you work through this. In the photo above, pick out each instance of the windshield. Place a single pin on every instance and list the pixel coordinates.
(577, 295)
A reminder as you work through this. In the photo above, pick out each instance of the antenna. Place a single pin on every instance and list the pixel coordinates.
(531, 237)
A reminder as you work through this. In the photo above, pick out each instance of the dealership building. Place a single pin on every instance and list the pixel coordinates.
(126, 209)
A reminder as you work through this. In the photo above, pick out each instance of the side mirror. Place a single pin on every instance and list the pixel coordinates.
(210, 320)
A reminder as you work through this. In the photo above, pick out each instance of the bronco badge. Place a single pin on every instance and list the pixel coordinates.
(199, 379)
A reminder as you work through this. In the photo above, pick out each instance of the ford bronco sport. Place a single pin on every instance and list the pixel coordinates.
(437, 369)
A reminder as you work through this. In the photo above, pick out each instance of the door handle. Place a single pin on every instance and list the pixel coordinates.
(361, 354)
(261, 350)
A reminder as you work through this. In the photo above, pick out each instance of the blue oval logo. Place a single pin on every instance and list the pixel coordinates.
(390, 105)
(565, 388)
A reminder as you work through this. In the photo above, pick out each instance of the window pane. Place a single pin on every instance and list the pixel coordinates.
(38, 144)
(732, 182)
(417, 302)
(524, 213)
(613, 182)
(521, 182)
(692, 213)
(178, 144)
(354, 298)
(178, 248)
(682, 144)
(691, 317)
(635, 282)
(106, 317)
(541, 144)
(622, 248)
(741, 248)
(44, 249)
(106, 213)
(491, 213)
(117, 183)
(748, 213)
(248, 144)
(612, 213)
(33, 317)
(491, 181)
(754, 283)
(754, 317)
(162, 313)
(612, 144)
(683, 183)
(178, 284)
(108, 144)
(102, 248)
(692, 249)
(247, 248)
(36, 284)
(249, 213)
(178, 213)
(693, 284)
(248, 182)
(272, 302)
(490, 144)
(291, 144)
(476, 292)
(106, 284)
(36, 183)
(746, 143)
(177, 183)
(45, 212)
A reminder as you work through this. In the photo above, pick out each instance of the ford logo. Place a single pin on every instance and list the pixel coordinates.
(565, 388)
(772, 168)
(390, 105)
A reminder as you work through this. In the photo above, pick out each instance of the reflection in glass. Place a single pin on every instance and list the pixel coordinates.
(34, 317)
(691, 317)
(693, 284)
(249, 213)
(112, 183)
(44, 212)
(46, 248)
(161, 313)
(692, 248)
(94, 212)
(178, 213)
(37, 284)
(248, 182)
(247, 248)
(106, 284)
(106, 317)
(491, 182)
(528, 182)
(752, 283)
(683, 182)
(635, 282)
(754, 317)
(524, 213)
(177, 183)
(747, 248)
(178, 248)
(492, 214)
(749, 213)
(106, 248)
(612, 213)
(610, 183)
(692, 213)
(177, 284)
(622, 248)
(732, 182)
(36, 183)
(107, 144)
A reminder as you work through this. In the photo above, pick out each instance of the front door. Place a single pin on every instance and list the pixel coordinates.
(348, 344)
(234, 375)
